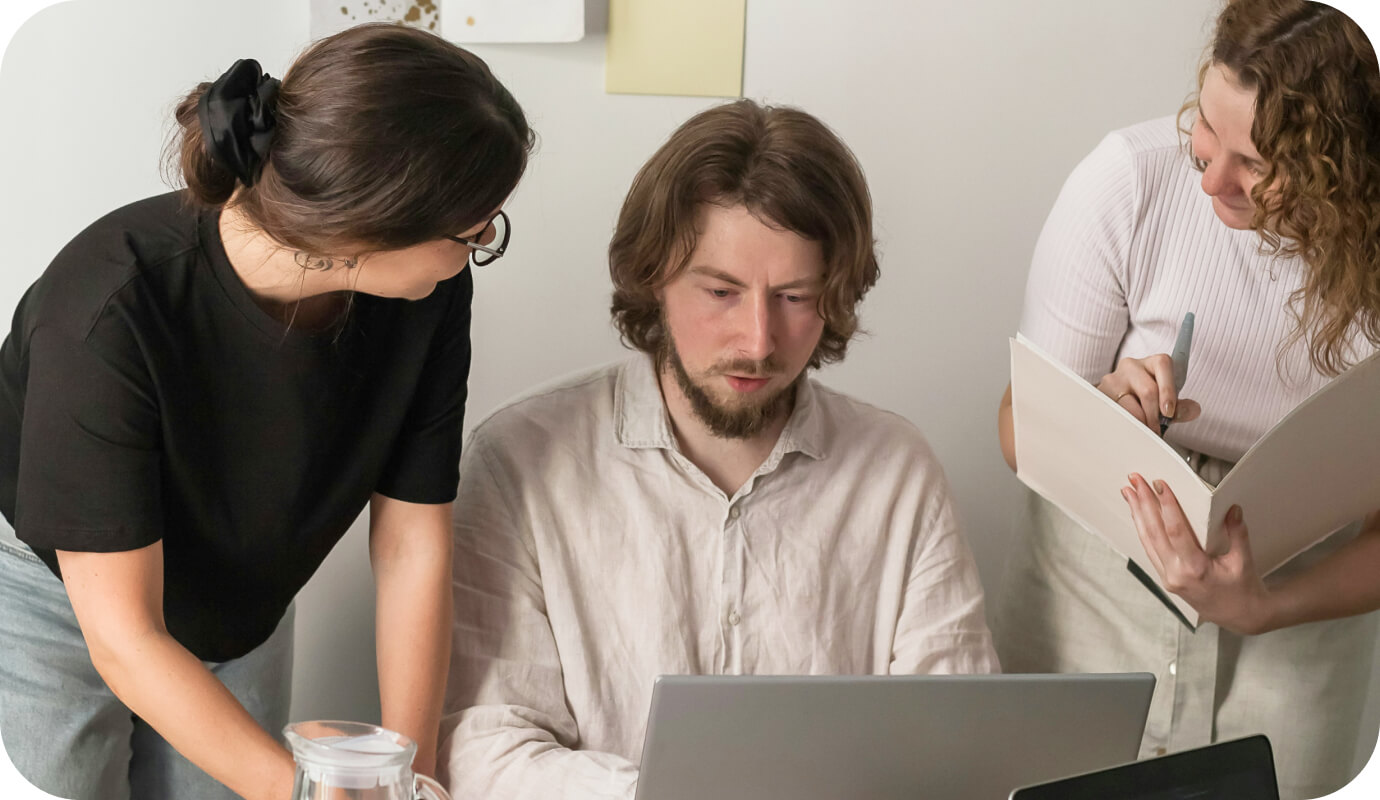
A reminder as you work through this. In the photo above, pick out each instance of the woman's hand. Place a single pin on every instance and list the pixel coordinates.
(1225, 589)
(1145, 388)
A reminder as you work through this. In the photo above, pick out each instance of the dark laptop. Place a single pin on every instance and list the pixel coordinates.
(1242, 769)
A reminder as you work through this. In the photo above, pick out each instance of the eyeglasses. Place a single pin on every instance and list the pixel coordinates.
(481, 254)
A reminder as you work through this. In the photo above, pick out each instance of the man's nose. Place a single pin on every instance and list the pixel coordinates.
(755, 339)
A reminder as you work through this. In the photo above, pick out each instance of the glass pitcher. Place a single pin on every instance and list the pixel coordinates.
(355, 761)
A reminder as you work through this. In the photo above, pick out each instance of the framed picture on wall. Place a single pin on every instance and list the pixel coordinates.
(465, 21)
(333, 16)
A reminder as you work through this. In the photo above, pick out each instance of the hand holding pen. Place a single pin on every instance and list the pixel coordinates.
(1179, 366)
(1148, 388)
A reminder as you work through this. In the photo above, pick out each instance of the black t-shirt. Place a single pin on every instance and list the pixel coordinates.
(145, 396)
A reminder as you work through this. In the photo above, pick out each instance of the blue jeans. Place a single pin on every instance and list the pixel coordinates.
(64, 729)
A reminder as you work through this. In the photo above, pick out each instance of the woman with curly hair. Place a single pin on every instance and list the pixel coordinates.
(1267, 226)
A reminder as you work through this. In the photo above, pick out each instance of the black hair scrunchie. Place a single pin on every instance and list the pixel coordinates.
(237, 118)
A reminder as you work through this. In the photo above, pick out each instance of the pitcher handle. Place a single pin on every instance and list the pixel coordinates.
(429, 789)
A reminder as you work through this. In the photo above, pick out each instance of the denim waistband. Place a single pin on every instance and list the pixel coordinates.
(10, 543)
(13, 547)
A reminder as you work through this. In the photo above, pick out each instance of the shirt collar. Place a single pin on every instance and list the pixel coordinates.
(642, 420)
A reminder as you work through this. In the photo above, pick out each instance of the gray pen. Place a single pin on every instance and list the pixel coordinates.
(1180, 359)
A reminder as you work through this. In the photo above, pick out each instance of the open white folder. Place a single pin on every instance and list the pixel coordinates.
(1315, 471)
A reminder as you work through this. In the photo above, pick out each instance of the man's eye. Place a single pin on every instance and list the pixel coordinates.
(720, 293)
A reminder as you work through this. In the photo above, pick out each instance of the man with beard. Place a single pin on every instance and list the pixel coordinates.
(704, 507)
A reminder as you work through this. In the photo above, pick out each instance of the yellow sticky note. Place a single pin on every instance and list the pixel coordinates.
(675, 47)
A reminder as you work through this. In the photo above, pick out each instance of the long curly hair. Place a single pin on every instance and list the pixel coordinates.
(1317, 128)
(783, 165)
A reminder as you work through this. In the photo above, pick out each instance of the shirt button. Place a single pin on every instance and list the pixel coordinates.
(734, 617)
(733, 513)
(1173, 668)
(1159, 751)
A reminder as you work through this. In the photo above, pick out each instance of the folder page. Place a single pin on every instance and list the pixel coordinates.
(1315, 471)
(1076, 447)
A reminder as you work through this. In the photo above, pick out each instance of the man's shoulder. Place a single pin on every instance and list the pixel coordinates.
(873, 452)
(856, 424)
(563, 406)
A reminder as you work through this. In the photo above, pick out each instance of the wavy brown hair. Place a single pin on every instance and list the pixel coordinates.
(785, 167)
(1317, 128)
(386, 137)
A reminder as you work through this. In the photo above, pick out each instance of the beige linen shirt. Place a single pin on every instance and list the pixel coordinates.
(591, 556)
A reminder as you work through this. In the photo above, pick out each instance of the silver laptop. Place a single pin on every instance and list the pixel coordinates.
(967, 737)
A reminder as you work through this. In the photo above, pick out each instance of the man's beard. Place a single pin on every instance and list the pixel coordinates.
(722, 421)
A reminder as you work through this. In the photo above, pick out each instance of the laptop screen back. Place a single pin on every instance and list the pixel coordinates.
(967, 737)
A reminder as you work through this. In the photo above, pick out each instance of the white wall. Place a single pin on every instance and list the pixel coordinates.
(966, 117)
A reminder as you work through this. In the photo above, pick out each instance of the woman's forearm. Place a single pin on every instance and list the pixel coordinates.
(410, 551)
(413, 640)
(171, 690)
(1343, 584)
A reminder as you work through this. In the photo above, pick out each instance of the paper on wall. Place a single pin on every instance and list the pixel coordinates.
(674, 47)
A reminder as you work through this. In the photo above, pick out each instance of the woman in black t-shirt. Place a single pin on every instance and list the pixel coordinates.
(203, 391)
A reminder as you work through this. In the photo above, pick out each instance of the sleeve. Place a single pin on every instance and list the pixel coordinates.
(1075, 297)
(90, 448)
(941, 628)
(424, 464)
(507, 730)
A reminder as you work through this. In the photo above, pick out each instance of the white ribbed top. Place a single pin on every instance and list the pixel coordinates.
(1131, 244)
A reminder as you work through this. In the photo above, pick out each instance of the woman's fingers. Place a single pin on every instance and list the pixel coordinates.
(1225, 589)
(1168, 538)
(1162, 367)
(1149, 527)
(1145, 388)
(1238, 541)
(1137, 381)
(1129, 401)
(1193, 561)
(1187, 411)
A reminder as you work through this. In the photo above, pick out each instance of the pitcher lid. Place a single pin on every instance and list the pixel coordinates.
(350, 755)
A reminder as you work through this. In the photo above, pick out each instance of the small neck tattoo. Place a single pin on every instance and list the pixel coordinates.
(306, 260)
